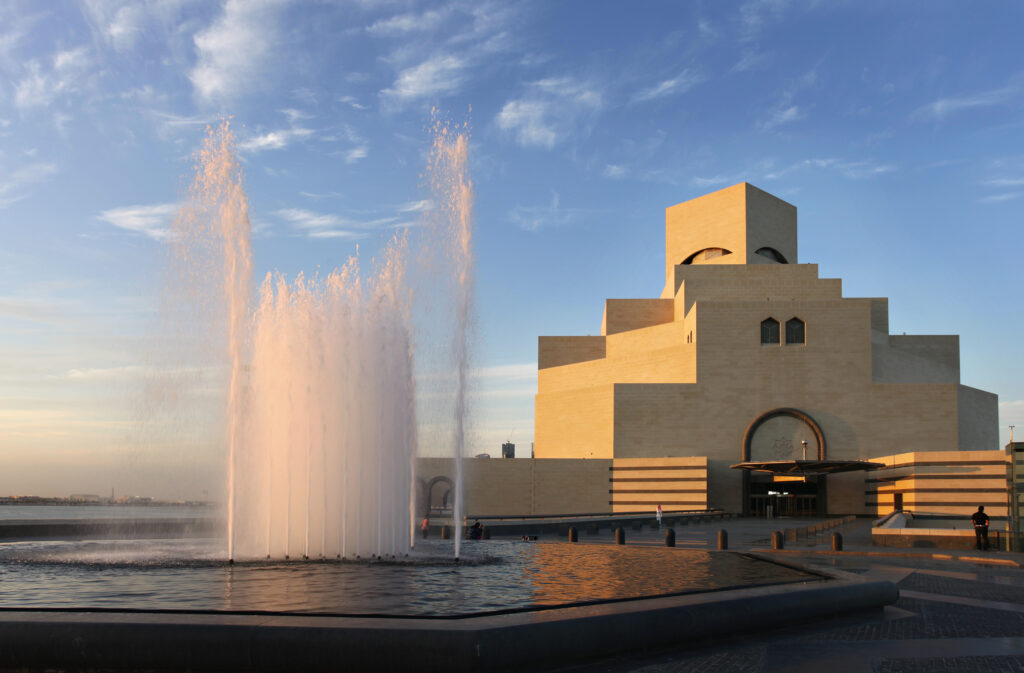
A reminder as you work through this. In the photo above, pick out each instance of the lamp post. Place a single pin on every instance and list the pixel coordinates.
(804, 443)
(1013, 520)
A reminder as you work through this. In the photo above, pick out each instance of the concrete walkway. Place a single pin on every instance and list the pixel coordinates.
(957, 612)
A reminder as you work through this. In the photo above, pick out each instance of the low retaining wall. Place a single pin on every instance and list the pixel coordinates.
(584, 524)
(932, 538)
(111, 529)
(111, 640)
(803, 532)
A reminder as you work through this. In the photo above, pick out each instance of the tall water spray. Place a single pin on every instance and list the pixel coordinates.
(448, 172)
(211, 239)
(321, 408)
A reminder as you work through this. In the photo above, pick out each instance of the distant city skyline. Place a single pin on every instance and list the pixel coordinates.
(895, 130)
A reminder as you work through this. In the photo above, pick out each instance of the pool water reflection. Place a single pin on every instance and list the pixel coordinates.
(492, 576)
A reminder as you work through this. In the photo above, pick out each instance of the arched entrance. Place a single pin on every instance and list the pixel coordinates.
(439, 502)
(779, 435)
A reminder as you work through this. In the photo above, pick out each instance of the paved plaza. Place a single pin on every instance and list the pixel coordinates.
(957, 612)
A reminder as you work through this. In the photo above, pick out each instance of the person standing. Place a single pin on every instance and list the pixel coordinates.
(657, 513)
(425, 526)
(980, 520)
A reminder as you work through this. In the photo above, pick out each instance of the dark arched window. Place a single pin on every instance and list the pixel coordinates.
(795, 331)
(770, 331)
(704, 255)
(772, 254)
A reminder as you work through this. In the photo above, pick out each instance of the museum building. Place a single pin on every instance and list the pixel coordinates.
(749, 384)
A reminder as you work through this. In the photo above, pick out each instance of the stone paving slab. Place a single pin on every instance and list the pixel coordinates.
(1011, 664)
(961, 587)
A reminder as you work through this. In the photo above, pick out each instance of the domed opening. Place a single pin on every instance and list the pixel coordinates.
(772, 254)
(702, 256)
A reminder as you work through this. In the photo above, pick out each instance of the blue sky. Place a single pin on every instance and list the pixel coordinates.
(895, 128)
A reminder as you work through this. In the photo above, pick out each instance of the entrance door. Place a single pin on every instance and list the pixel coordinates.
(897, 502)
(785, 498)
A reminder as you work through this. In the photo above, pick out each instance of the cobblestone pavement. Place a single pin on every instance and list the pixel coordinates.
(953, 616)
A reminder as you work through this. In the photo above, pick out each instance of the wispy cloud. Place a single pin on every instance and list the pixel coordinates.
(44, 83)
(716, 180)
(751, 60)
(999, 198)
(782, 115)
(402, 24)
(786, 111)
(168, 123)
(679, 84)
(153, 221)
(232, 52)
(12, 185)
(355, 154)
(274, 140)
(352, 102)
(1005, 182)
(46, 312)
(756, 14)
(329, 225)
(416, 206)
(553, 214)
(549, 111)
(856, 170)
(942, 108)
(438, 75)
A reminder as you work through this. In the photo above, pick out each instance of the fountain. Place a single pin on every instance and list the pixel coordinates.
(322, 424)
(321, 406)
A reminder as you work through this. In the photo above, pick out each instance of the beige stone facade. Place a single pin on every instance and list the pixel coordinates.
(748, 355)
(686, 374)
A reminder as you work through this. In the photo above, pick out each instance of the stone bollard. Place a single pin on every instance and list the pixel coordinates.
(446, 534)
(573, 536)
(777, 540)
(837, 542)
(620, 536)
(723, 539)
(670, 538)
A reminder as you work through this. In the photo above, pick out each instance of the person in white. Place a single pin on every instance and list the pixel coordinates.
(657, 513)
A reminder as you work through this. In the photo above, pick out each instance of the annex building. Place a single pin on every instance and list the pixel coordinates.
(749, 383)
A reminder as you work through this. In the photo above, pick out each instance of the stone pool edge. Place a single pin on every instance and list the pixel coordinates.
(36, 640)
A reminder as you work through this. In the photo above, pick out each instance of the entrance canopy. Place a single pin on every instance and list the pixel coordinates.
(807, 467)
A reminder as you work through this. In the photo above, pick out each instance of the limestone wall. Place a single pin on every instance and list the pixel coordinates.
(939, 482)
(621, 315)
(554, 351)
(524, 487)
(641, 484)
(915, 358)
(977, 419)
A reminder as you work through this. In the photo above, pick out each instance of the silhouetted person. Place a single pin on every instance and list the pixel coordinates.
(476, 531)
(980, 520)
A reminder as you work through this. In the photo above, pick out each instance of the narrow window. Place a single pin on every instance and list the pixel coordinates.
(770, 331)
(794, 331)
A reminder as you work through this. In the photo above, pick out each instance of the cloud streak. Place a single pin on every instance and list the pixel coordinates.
(328, 225)
(944, 107)
(152, 221)
(549, 112)
(679, 84)
(11, 189)
(533, 218)
(274, 140)
(441, 74)
(231, 54)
